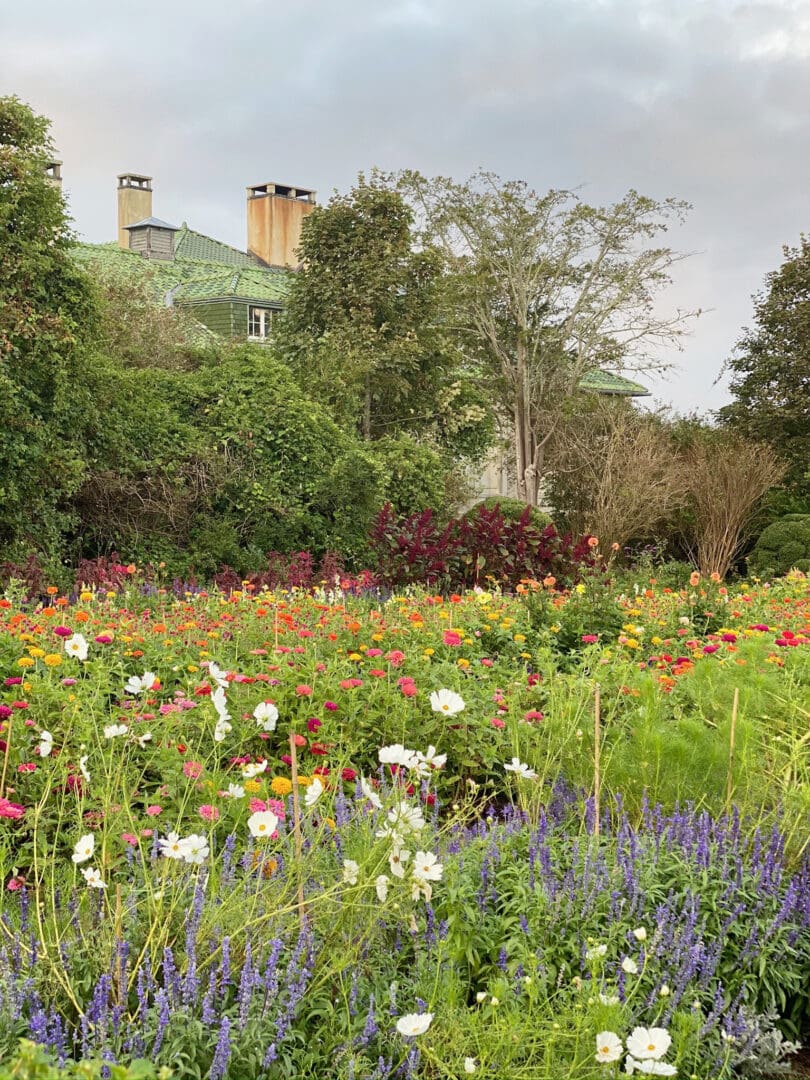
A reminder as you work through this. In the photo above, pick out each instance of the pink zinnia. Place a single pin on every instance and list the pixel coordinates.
(129, 838)
(302, 690)
(590, 639)
(497, 722)
(313, 723)
(153, 811)
(10, 809)
(103, 639)
(395, 657)
(374, 652)
(209, 813)
(27, 766)
(257, 806)
(62, 631)
(450, 637)
(710, 649)
(192, 769)
(330, 706)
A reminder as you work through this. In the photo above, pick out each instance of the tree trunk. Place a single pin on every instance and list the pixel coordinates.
(367, 410)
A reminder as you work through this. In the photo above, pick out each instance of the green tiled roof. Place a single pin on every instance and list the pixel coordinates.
(605, 382)
(186, 279)
(189, 244)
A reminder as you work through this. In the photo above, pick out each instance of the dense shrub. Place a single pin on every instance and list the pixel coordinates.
(512, 510)
(782, 546)
(471, 550)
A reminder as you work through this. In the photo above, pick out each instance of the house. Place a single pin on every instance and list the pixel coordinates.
(231, 293)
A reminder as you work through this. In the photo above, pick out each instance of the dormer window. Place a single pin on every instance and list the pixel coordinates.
(259, 323)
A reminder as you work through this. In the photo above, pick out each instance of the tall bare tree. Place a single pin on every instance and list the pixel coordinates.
(547, 290)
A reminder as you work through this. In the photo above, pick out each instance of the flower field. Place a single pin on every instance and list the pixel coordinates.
(327, 834)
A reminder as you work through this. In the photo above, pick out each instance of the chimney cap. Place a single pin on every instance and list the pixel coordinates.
(141, 180)
(285, 191)
(154, 223)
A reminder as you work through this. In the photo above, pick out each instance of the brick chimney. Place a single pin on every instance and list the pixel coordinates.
(134, 203)
(53, 171)
(275, 213)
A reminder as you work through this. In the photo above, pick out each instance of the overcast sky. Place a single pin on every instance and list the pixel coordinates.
(706, 100)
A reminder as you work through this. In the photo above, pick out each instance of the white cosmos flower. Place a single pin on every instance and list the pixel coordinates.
(426, 867)
(421, 888)
(235, 791)
(137, 684)
(397, 754)
(253, 768)
(640, 934)
(595, 952)
(370, 794)
(142, 740)
(413, 1024)
(350, 871)
(217, 675)
(608, 999)
(469, 1065)
(430, 760)
(381, 885)
(447, 702)
(93, 878)
(649, 1067)
(83, 767)
(195, 849)
(112, 731)
(220, 703)
(314, 792)
(262, 824)
(629, 966)
(645, 1043)
(396, 860)
(77, 646)
(517, 767)
(608, 1047)
(266, 715)
(45, 743)
(406, 818)
(171, 846)
(221, 729)
(84, 848)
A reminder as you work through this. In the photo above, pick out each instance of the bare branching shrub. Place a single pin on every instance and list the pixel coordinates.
(728, 477)
(615, 471)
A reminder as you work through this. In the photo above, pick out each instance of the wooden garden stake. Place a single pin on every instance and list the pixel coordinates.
(297, 826)
(597, 738)
(732, 734)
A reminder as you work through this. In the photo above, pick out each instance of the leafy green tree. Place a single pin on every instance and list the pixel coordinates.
(365, 331)
(547, 290)
(47, 319)
(770, 368)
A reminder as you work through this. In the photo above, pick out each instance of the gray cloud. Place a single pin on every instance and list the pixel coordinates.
(705, 100)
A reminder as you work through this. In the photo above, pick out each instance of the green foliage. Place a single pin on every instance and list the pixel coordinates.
(512, 509)
(771, 367)
(32, 1063)
(412, 474)
(47, 315)
(783, 546)
(363, 328)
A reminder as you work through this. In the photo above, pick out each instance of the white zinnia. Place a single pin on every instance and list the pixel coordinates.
(93, 878)
(350, 871)
(314, 792)
(608, 1047)
(266, 715)
(84, 848)
(77, 646)
(112, 731)
(413, 1024)
(447, 702)
(45, 743)
(262, 824)
(137, 684)
(517, 767)
(646, 1043)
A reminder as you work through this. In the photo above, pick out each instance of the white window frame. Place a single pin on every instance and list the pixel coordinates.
(264, 317)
